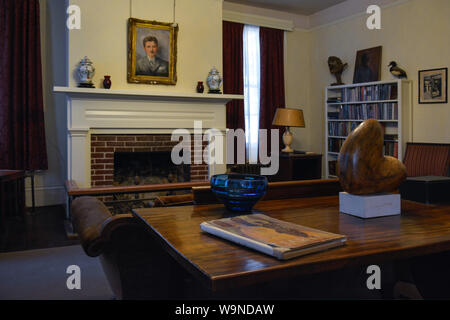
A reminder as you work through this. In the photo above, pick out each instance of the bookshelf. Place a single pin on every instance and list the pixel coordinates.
(347, 106)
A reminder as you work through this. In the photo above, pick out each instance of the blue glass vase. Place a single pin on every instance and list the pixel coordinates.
(239, 192)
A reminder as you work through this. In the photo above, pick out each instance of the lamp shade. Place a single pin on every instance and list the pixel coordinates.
(287, 117)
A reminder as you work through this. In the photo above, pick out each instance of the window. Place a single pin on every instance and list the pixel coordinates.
(251, 90)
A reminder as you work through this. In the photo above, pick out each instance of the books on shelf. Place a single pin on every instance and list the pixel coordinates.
(386, 91)
(334, 145)
(332, 167)
(390, 137)
(364, 111)
(334, 99)
(341, 128)
(277, 238)
(390, 148)
(333, 115)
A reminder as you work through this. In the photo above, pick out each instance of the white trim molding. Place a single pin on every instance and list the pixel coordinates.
(338, 13)
(346, 10)
(262, 21)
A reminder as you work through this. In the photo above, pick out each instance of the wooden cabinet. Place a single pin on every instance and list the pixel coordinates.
(293, 166)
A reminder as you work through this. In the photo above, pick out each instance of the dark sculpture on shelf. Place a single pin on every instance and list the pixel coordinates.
(362, 167)
(336, 67)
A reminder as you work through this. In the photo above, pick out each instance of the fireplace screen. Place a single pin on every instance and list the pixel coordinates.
(133, 168)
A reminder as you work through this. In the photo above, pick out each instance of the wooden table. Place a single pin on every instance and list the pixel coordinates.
(12, 193)
(420, 229)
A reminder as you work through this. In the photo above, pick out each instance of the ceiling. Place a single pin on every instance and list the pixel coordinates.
(303, 7)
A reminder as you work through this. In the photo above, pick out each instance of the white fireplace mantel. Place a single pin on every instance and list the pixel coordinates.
(113, 111)
(172, 96)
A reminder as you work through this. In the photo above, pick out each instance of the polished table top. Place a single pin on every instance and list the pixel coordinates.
(419, 230)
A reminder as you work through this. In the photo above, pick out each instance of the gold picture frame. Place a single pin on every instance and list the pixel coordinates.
(152, 52)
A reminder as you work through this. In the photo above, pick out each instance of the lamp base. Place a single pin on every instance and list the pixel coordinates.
(287, 149)
(287, 140)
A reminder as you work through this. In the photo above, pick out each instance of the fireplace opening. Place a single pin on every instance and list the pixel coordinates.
(137, 159)
(135, 168)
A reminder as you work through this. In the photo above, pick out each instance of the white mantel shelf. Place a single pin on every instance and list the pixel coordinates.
(105, 93)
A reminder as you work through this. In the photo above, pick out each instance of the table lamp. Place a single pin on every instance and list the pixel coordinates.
(287, 117)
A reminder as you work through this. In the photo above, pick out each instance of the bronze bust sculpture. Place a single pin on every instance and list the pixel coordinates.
(336, 67)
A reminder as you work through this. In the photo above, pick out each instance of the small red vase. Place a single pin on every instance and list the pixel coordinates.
(200, 87)
(107, 82)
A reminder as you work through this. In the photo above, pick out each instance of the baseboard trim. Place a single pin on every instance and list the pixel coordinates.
(46, 196)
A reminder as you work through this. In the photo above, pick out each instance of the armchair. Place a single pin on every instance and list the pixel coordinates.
(135, 266)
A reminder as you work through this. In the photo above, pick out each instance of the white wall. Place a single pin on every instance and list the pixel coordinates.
(297, 68)
(413, 33)
(103, 38)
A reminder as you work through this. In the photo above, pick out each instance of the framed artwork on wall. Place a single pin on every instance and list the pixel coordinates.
(152, 52)
(433, 85)
(367, 65)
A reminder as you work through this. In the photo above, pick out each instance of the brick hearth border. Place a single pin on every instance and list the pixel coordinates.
(104, 146)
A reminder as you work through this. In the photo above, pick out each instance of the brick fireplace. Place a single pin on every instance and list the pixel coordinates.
(104, 146)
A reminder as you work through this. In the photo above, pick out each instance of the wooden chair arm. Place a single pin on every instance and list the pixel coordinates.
(95, 224)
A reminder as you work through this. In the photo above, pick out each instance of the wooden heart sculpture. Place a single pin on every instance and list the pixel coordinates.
(362, 167)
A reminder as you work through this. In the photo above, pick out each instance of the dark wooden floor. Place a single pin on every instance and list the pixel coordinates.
(44, 228)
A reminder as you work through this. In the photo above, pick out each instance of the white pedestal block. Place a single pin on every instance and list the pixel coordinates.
(369, 206)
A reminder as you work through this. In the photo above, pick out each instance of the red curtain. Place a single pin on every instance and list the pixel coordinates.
(233, 72)
(272, 78)
(22, 133)
(233, 75)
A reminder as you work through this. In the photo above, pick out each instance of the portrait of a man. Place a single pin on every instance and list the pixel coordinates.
(151, 64)
(151, 52)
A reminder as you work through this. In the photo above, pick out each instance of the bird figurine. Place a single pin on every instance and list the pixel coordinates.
(396, 71)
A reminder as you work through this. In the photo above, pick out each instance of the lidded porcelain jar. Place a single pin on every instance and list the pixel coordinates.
(86, 72)
(214, 81)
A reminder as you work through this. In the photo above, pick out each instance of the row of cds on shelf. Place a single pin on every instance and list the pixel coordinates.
(334, 145)
(367, 93)
(390, 148)
(332, 167)
(341, 128)
(380, 111)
